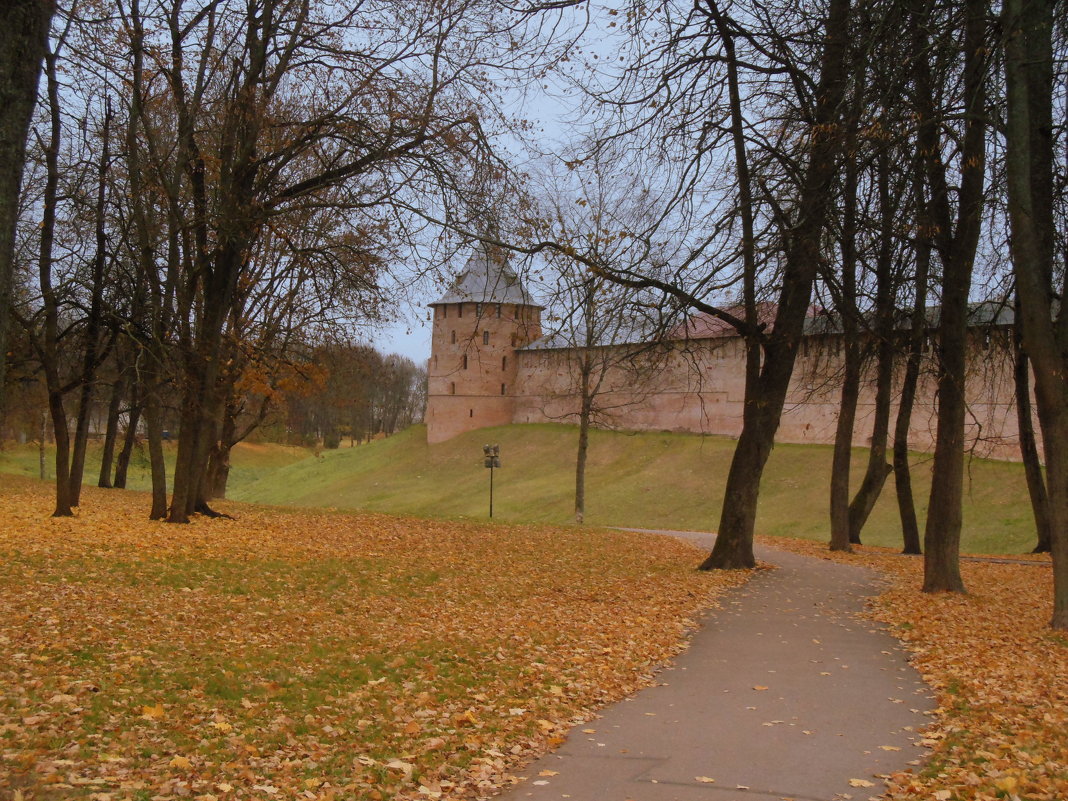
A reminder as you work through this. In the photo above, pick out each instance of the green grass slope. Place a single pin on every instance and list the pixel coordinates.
(250, 462)
(646, 480)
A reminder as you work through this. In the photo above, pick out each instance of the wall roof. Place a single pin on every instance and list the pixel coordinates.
(818, 321)
(487, 278)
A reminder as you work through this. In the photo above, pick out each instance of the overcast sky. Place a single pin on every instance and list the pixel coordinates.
(551, 107)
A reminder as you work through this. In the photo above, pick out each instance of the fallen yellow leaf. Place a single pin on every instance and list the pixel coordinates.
(156, 712)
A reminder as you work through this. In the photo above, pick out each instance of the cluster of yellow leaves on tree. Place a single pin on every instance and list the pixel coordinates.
(1001, 728)
(312, 655)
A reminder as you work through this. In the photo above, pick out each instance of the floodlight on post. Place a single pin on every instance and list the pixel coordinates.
(491, 454)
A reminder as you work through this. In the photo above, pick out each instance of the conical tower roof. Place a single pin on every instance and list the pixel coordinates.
(487, 278)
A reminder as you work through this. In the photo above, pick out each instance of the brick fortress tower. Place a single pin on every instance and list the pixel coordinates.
(478, 325)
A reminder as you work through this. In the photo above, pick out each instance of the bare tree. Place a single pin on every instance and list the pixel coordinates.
(955, 240)
(1029, 159)
(229, 135)
(24, 26)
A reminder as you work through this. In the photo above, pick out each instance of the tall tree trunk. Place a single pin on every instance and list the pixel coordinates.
(957, 246)
(50, 346)
(111, 431)
(219, 460)
(910, 529)
(878, 469)
(847, 407)
(24, 26)
(583, 449)
(81, 438)
(122, 464)
(1036, 482)
(763, 406)
(843, 446)
(154, 434)
(94, 321)
(1028, 26)
(64, 507)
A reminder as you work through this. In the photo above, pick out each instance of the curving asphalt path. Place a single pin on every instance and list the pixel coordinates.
(783, 694)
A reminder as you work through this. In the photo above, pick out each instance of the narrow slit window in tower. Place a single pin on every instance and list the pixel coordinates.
(485, 337)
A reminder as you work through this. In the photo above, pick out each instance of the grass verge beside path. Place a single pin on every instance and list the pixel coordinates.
(1001, 729)
(312, 655)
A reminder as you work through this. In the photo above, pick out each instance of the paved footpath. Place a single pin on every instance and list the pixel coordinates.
(783, 694)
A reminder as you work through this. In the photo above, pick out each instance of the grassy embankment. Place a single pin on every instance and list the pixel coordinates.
(251, 461)
(647, 480)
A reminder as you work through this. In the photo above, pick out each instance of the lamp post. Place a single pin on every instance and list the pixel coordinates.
(492, 459)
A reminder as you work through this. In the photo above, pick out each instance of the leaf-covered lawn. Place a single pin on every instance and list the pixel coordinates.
(312, 655)
(1001, 729)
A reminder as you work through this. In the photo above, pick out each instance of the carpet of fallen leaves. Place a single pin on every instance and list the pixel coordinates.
(312, 655)
(1001, 674)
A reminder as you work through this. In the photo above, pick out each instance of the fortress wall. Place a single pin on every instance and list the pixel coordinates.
(700, 389)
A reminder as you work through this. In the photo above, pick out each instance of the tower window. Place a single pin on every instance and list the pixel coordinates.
(452, 387)
(444, 310)
(498, 309)
(502, 388)
(478, 310)
(459, 310)
(465, 361)
(504, 362)
(470, 412)
(485, 338)
(453, 337)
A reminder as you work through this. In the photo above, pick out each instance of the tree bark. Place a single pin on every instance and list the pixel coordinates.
(154, 434)
(957, 246)
(93, 322)
(50, 345)
(763, 406)
(122, 463)
(878, 469)
(580, 458)
(1028, 28)
(111, 432)
(841, 462)
(24, 26)
(1036, 482)
(910, 529)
